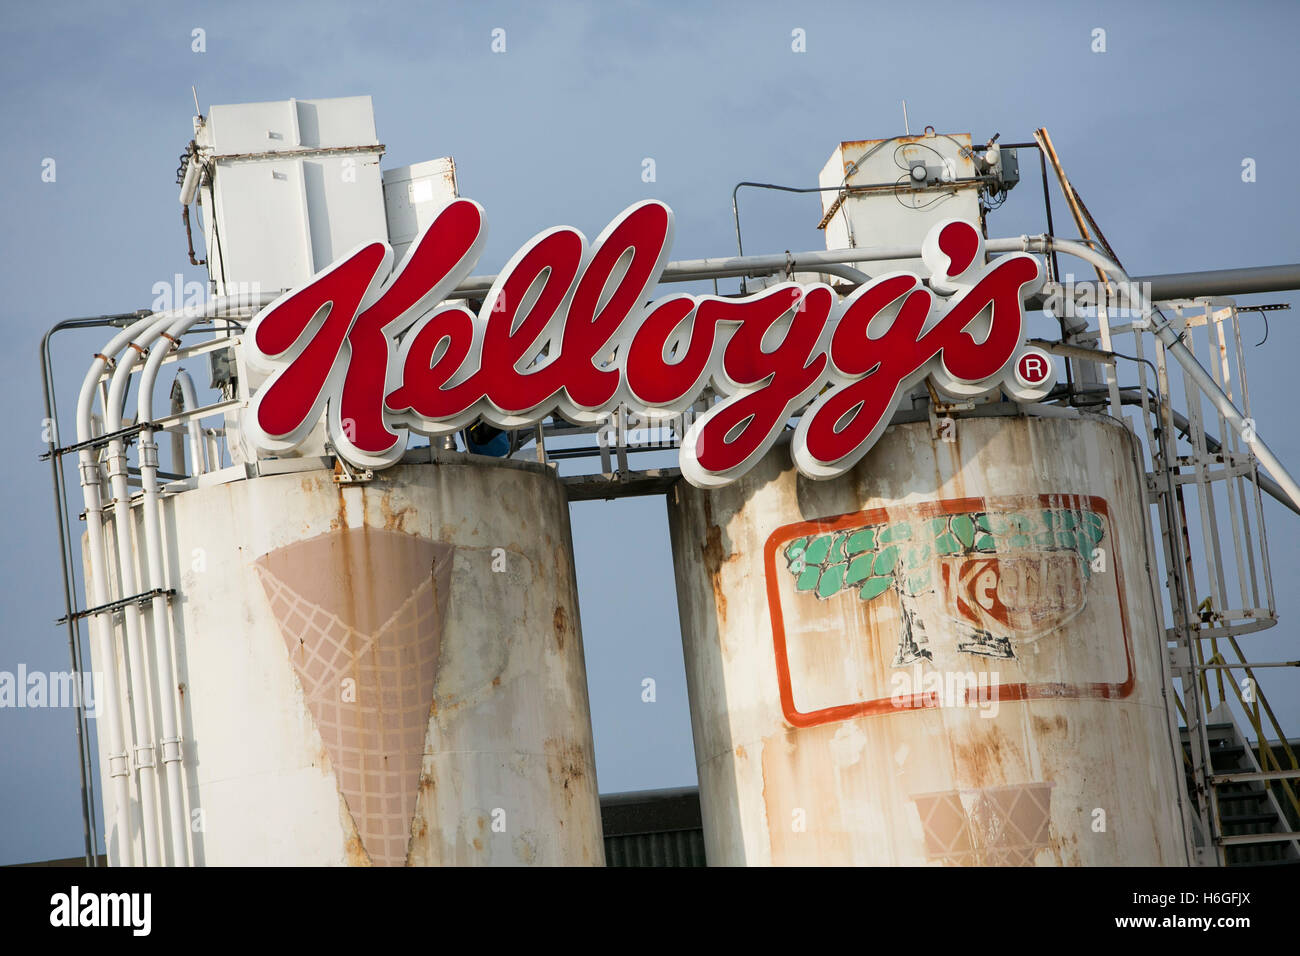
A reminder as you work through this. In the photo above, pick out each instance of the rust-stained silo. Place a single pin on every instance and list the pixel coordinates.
(380, 673)
(949, 655)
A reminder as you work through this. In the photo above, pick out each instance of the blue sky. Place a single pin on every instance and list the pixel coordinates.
(1153, 133)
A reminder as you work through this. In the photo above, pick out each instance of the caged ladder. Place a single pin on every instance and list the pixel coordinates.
(1218, 588)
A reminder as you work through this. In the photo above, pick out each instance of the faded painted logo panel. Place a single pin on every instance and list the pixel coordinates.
(865, 603)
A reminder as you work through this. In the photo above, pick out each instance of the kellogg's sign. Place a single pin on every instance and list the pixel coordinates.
(570, 328)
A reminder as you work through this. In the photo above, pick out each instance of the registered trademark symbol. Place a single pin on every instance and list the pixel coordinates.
(1033, 368)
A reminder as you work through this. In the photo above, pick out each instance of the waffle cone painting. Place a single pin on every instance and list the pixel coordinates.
(361, 612)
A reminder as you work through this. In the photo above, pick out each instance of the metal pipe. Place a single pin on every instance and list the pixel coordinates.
(185, 399)
(102, 624)
(1067, 189)
(846, 272)
(212, 443)
(158, 578)
(138, 676)
(60, 516)
(178, 448)
(1209, 282)
(190, 184)
(689, 270)
(1178, 285)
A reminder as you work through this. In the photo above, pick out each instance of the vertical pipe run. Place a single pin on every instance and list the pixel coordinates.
(157, 578)
(74, 648)
(118, 767)
(142, 712)
(102, 623)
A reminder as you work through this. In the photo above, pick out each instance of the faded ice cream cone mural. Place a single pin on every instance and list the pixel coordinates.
(996, 826)
(367, 660)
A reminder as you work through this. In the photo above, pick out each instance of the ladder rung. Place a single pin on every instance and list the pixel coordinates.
(1222, 778)
(1244, 665)
(1247, 838)
(1247, 818)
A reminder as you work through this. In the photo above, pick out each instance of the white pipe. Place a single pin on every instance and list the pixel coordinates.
(102, 623)
(168, 328)
(210, 437)
(188, 401)
(143, 736)
(177, 438)
(156, 569)
(168, 702)
(190, 184)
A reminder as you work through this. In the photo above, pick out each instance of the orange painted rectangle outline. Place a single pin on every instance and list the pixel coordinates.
(931, 509)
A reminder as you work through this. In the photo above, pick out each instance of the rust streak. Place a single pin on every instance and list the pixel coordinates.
(714, 557)
(561, 622)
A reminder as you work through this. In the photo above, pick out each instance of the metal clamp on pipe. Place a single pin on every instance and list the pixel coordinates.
(90, 474)
(144, 757)
(119, 765)
(115, 460)
(172, 755)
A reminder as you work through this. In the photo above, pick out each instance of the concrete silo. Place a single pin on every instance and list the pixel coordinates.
(380, 674)
(951, 654)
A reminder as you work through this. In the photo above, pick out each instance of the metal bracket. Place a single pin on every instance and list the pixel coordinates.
(121, 433)
(141, 599)
(938, 408)
(345, 475)
(618, 427)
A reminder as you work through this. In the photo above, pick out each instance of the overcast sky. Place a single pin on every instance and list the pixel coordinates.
(554, 130)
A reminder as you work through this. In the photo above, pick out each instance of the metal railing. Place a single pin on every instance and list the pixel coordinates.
(1218, 578)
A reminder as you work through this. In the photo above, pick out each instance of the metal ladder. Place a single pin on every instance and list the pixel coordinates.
(1216, 593)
